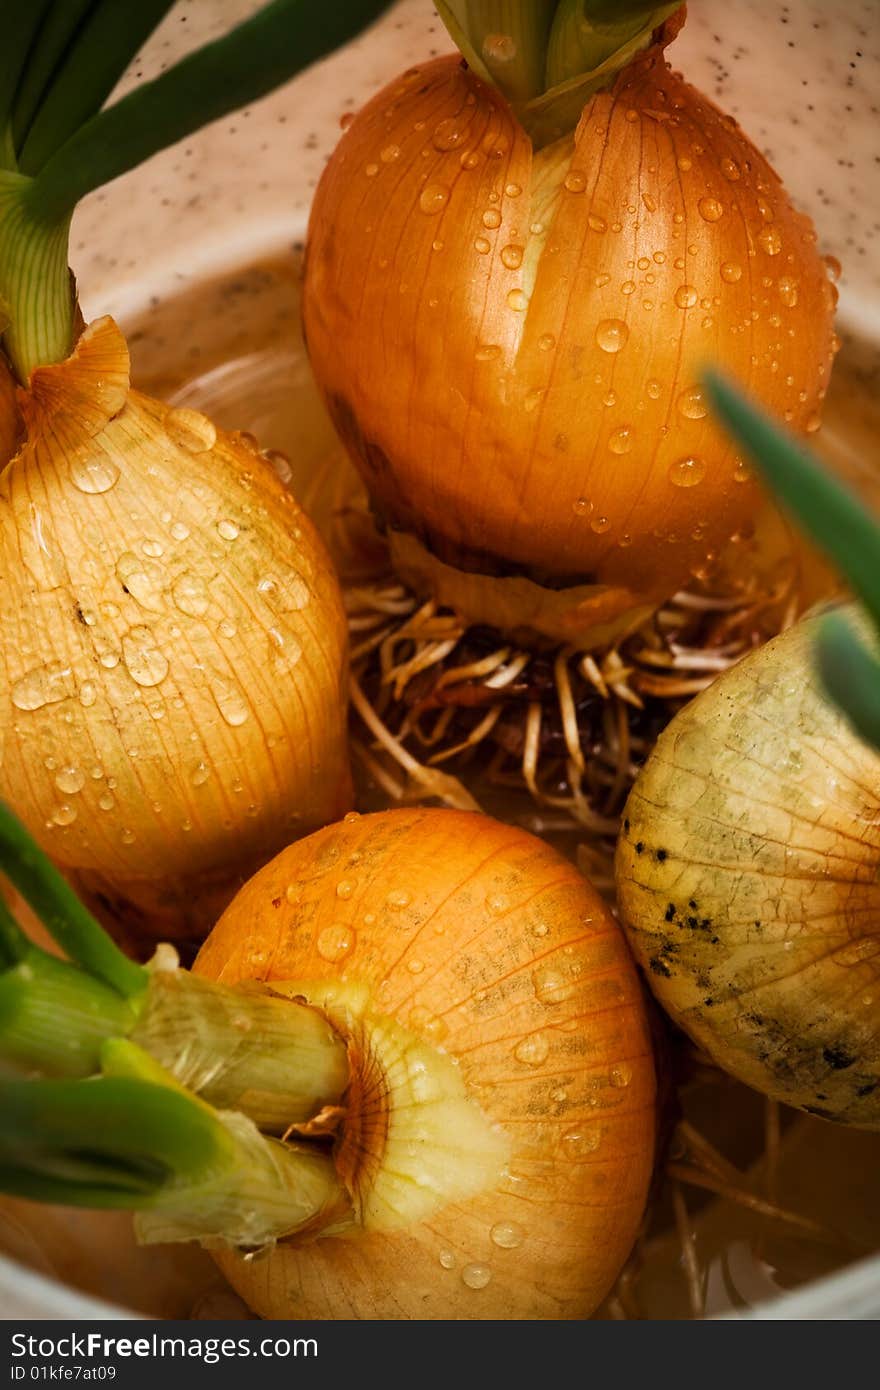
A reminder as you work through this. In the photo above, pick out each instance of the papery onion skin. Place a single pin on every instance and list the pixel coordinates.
(173, 656)
(458, 927)
(748, 879)
(539, 414)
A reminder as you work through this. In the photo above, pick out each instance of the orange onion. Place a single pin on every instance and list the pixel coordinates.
(496, 1136)
(9, 422)
(173, 653)
(509, 339)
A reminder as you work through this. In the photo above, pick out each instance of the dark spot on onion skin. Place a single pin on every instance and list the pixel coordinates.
(276, 902)
(868, 1089)
(659, 967)
(662, 856)
(640, 848)
(838, 1058)
(670, 913)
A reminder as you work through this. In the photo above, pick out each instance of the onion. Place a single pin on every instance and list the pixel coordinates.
(173, 655)
(413, 1070)
(498, 1135)
(509, 338)
(748, 879)
(9, 422)
(173, 642)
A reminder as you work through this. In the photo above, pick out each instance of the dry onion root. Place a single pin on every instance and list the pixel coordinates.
(454, 1021)
(509, 334)
(747, 878)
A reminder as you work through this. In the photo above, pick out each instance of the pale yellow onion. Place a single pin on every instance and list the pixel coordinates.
(510, 343)
(173, 656)
(748, 879)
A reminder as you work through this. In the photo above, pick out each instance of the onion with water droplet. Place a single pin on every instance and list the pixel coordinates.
(498, 1134)
(461, 451)
(171, 618)
(748, 879)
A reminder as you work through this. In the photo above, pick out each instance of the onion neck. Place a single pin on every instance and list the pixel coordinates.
(36, 298)
(547, 59)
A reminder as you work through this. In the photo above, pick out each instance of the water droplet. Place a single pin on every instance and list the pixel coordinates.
(628, 287)
(109, 660)
(200, 774)
(710, 209)
(532, 1050)
(45, 685)
(691, 404)
(482, 245)
(487, 352)
(344, 888)
(770, 240)
(230, 702)
(506, 1235)
(788, 291)
(686, 296)
(518, 301)
(87, 694)
(469, 159)
(335, 942)
(610, 398)
(581, 506)
(552, 986)
(499, 48)
(476, 1276)
(227, 529)
(621, 441)
(144, 661)
(687, 472)
(511, 256)
(631, 116)
(600, 524)
(581, 1140)
(128, 836)
(447, 1259)
(730, 169)
(65, 814)
(684, 163)
(497, 903)
(371, 170)
(389, 154)
(92, 472)
(415, 967)
(621, 1075)
(179, 531)
(731, 272)
(190, 595)
(812, 424)
(397, 900)
(611, 335)
(70, 780)
(597, 224)
(433, 198)
(106, 801)
(142, 580)
(546, 342)
(449, 133)
(190, 430)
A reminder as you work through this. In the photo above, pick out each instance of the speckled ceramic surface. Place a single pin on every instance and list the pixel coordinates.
(803, 79)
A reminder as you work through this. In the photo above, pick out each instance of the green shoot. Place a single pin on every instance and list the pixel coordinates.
(838, 522)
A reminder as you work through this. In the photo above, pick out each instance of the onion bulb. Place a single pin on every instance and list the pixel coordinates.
(173, 654)
(748, 878)
(509, 338)
(9, 422)
(497, 1133)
